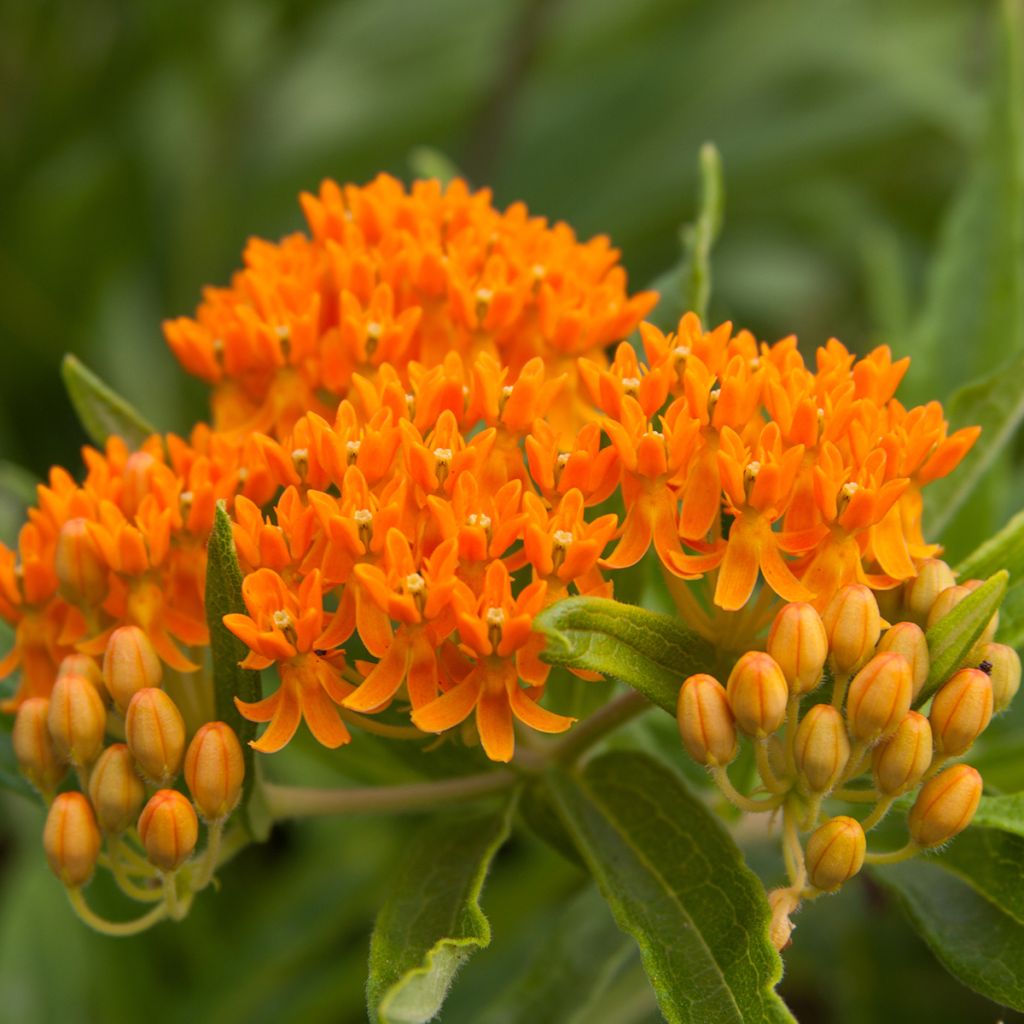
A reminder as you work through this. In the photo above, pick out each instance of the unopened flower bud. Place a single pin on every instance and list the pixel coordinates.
(116, 791)
(899, 763)
(215, 769)
(33, 745)
(82, 665)
(784, 903)
(169, 829)
(852, 624)
(77, 720)
(945, 806)
(798, 643)
(907, 638)
(933, 577)
(879, 697)
(155, 732)
(835, 853)
(78, 562)
(822, 748)
(950, 598)
(71, 839)
(130, 664)
(757, 693)
(961, 711)
(1003, 668)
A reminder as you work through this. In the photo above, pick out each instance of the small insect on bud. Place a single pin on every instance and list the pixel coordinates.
(1003, 670)
(215, 770)
(758, 694)
(961, 711)
(71, 839)
(130, 664)
(933, 577)
(822, 748)
(907, 638)
(77, 720)
(852, 624)
(835, 853)
(155, 732)
(169, 829)
(879, 697)
(945, 806)
(79, 564)
(798, 643)
(33, 746)
(899, 763)
(116, 791)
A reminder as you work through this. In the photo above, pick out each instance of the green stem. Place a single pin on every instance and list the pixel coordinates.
(877, 814)
(893, 856)
(792, 851)
(114, 928)
(737, 799)
(391, 732)
(211, 855)
(842, 680)
(687, 605)
(124, 883)
(606, 719)
(764, 768)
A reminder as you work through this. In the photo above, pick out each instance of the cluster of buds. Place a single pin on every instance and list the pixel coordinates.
(115, 730)
(878, 737)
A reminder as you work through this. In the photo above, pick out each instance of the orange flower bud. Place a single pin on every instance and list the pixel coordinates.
(757, 693)
(33, 745)
(950, 598)
(933, 577)
(835, 853)
(169, 829)
(945, 806)
(155, 732)
(215, 769)
(130, 664)
(798, 643)
(82, 665)
(961, 711)
(71, 839)
(77, 720)
(78, 562)
(1004, 672)
(879, 697)
(899, 763)
(907, 638)
(116, 791)
(852, 624)
(822, 748)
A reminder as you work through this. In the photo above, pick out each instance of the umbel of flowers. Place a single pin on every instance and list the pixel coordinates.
(427, 425)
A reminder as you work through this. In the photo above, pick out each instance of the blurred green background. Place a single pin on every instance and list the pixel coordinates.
(141, 143)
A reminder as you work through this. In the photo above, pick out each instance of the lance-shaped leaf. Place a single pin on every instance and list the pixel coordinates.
(224, 597)
(432, 921)
(651, 652)
(677, 883)
(952, 637)
(101, 411)
(1003, 551)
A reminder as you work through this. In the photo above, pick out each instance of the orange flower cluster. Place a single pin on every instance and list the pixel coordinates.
(423, 442)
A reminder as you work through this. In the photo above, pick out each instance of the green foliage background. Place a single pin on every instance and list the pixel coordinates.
(140, 144)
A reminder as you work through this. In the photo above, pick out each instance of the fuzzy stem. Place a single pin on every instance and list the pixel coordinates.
(211, 855)
(764, 768)
(893, 856)
(842, 680)
(737, 799)
(792, 851)
(877, 814)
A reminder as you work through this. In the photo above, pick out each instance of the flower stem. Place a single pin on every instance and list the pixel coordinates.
(764, 768)
(737, 799)
(211, 855)
(392, 732)
(607, 718)
(877, 814)
(114, 928)
(893, 856)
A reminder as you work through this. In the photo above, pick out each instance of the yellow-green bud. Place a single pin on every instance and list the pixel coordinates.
(798, 643)
(169, 829)
(822, 748)
(879, 697)
(899, 763)
(853, 625)
(215, 769)
(77, 720)
(706, 723)
(71, 839)
(945, 806)
(155, 732)
(933, 577)
(33, 746)
(835, 853)
(116, 791)
(1003, 668)
(758, 694)
(130, 664)
(80, 566)
(961, 711)
(907, 638)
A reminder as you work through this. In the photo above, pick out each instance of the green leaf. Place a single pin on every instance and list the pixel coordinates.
(651, 652)
(1003, 551)
(224, 597)
(100, 410)
(10, 777)
(1005, 813)
(678, 884)
(991, 861)
(427, 162)
(17, 493)
(952, 637)
(1011, 617)
(687, 285)
(431, 922)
